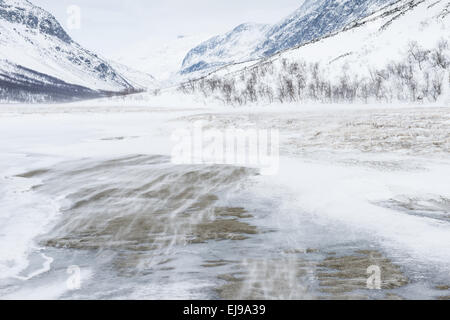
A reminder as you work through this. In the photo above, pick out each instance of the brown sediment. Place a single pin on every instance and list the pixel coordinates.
(419, 132)
(113, 138)
(118, 138)
(146, 225)
(344, 297)
(225, 226)
(340, 278)
(444, 298)
(265, 279)
(144, 221)
(216, 263)
(240, 213)
(33, 173)
(294, 251)
(173, 205)
(222, 229)
(443, 287)
(349, 273)
(393, 296)
(154, 231)
(301, 251)
(131, 264)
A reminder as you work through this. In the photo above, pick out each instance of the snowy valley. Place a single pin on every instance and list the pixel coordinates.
(349, 100)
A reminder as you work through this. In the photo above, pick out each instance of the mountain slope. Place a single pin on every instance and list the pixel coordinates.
(234, 46)
(32, 39)
(162, 58)
(314, 19)
(399, 53)
(18, 83)
(383, 36)
(140, 80)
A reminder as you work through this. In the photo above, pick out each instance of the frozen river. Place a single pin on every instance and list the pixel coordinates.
(92, 207)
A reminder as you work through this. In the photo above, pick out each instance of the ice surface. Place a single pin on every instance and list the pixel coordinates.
(344, 185)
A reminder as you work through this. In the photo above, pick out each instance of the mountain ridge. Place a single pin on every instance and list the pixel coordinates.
(231, 47)
(314, 19)
(399, 53)
(34, 44)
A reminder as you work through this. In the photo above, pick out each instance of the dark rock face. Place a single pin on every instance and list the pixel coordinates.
(196, 67)
(221, 48)
(33, 18)
(26, 85)
(321, 18)
(202, 65)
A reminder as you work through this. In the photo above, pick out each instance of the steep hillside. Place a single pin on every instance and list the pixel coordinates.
(314, 19)
(234, 46)
(399, 53)
(140, 80)
(18, 83)
(32, 39)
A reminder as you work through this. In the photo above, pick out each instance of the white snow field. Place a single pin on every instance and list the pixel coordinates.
(160, 58)
(92, 185)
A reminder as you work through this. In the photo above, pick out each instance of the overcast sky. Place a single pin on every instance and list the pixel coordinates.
(108, 25)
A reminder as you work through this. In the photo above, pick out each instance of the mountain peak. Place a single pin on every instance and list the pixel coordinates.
(313, 20)
(39, 60)
(235, 45)
(25, 13)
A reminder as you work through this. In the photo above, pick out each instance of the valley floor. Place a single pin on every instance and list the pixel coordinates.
(94, 188)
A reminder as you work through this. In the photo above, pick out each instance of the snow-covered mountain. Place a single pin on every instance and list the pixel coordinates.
(314, 19)
(234, 46)
(38, 56)
(140, 80)
(399, 53)
(162, 58)
(384, 36)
